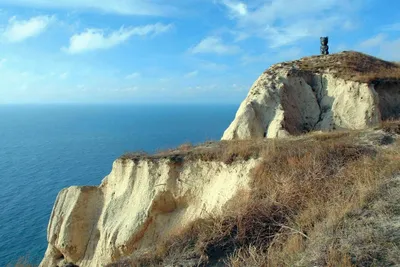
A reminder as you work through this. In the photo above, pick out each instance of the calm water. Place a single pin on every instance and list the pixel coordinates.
(46, 148)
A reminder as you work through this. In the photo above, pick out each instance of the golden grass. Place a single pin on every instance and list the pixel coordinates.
(297, 210)
(354, 66)
(300, 194)
(391, 126)
(224, 151)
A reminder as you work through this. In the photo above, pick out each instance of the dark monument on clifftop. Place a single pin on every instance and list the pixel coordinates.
(324, 46)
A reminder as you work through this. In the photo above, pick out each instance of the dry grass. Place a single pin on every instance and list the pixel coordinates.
(392, 126)
(223, 151)
(301, 193)
(354, 66)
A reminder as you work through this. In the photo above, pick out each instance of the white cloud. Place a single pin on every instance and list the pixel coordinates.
(211, 66)
(287, 35)
(349, 25)
(392, 27)
(389, 50)
(94, 39)
(124, 7)
(236, 8)
(374, 41)
(214, 45)
(283, 22)
(2, 62)
(191, 74)
(128, 89)
(64, 75)
(386, 49)
(165, 79)
(19, 30)
(132, 76)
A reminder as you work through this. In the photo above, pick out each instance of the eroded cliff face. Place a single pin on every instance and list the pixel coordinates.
(137, 204)
(143, 200)
(290, 100)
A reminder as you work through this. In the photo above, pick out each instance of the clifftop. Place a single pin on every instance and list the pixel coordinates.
(255, 203)
(348, 90)
(349, 65)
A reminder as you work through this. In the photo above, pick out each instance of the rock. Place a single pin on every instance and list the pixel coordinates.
(138, 204)
(294, 98)
(146, 199)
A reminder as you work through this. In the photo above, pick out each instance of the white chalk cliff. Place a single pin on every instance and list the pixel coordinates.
(146, 199)
(289, 99)
(137, 204)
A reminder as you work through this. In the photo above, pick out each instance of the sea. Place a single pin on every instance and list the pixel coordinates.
(45, 148)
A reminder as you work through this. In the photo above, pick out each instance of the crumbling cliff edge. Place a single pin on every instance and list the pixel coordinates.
(256, 200)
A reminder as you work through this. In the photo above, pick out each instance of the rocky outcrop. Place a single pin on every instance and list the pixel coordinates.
(138, 203)
(293, 98)
(145, 199)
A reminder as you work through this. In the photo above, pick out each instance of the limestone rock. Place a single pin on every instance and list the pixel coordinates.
(296, 97)
(136, 205)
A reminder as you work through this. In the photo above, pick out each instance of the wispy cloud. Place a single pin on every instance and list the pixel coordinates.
(387, 49)
(132, 76)
(283, 22)
(211, 66)
(94, 39)
(214, 45)
(191, 74)
(127, 89)
(124, 7)
(19, 30)
(373, 41)
(279, 36)
(392, 27)
(64, 75)
(2, 62)
(235, 8)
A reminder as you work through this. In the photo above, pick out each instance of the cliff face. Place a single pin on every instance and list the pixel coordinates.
(137, 204)
(343, 91)
(146, 199)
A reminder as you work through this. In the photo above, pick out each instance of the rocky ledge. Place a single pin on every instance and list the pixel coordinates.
(348, 90)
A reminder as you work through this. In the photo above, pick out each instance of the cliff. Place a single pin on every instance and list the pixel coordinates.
(143, 200)
(348, 90)
(257, 202)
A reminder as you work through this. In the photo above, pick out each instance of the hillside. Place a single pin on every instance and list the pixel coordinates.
(326, 199)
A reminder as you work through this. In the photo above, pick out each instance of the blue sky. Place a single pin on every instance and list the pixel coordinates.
(96, 51)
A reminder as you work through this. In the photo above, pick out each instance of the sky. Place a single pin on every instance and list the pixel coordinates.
(174, 51)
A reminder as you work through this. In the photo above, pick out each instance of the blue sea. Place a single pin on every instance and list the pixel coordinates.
(44, 148)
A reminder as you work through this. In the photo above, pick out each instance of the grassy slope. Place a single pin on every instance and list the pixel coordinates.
(353, 66)
(324, 199)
